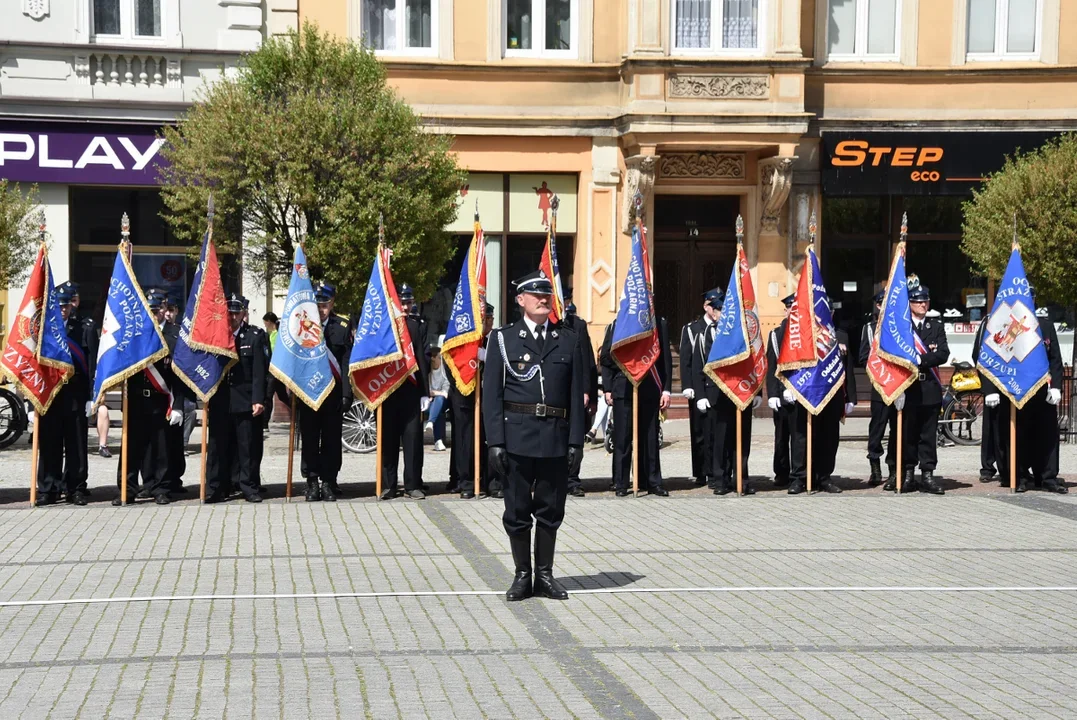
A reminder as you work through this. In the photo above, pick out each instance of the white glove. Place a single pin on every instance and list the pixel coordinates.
(787, 396)
(774, 403)
(1054, 396)
(89, 408)
(992, 400)
(482, 354)
(424, 404)
(756, 402)
(175, 417)
(917, 359)
(689, 393)
(703, 405)
(849, 408)
(899, 402)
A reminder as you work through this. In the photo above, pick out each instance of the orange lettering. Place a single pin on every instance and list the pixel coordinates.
(849, 153)
(877, 155)
(903, 157)
(929, 155)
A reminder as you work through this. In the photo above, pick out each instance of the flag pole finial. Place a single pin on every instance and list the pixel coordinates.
(813, 228)
(210, 209)
(904, 226)
(125, 228)
(41, 224)
(740, 229)
(476, 209)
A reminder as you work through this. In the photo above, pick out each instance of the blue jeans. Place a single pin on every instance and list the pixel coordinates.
(437, 416)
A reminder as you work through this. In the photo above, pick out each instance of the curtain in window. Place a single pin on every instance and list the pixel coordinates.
(379, 24)
(882, 19)
(1021, 27)
(518, 25)
(740, 24)
(106, 17)
(693, 23)
(981, 33)
(148, 18)
(419, 24)
(558, 24)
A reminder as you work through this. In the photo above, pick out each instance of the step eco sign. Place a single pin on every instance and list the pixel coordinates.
(917, 163)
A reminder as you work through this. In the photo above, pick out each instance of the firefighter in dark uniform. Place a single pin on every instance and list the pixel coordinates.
(402, 415)
(153, 408)
(320, 430)
(177, 460)
(882, 415)
(654, 396)
(1037, 421)
(83, 332)
(235, 410)
(462, 452)
(784, 412)
(923, 399)
(62, 463)
(690, 335)
(988, 419)
(576, 324)
(258, 439)
(532, 405)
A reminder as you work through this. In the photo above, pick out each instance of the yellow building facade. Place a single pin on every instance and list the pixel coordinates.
(856, 110)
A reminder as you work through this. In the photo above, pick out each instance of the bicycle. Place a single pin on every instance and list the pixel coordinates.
(360, 429)
(13, 417)
(962, 407)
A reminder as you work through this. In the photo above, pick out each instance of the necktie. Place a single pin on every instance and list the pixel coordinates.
(540, 336)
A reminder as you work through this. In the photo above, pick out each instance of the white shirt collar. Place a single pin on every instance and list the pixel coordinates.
(531, 325)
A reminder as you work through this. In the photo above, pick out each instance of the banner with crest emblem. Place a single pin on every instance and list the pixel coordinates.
(463, 336)
(893, 361)
(635, 346)
(738, 359)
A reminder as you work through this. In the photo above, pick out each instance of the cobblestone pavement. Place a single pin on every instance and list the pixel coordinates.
(859, 605)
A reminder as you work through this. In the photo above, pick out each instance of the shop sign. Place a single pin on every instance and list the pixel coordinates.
(485, 191)
(530, 202)
(917, 163)
(79, 155)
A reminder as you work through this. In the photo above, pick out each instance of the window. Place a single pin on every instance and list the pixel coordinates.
(548, 28)
(695, 20)
(127, 19)
(1007, 29)
(863, 30)
(400, 26)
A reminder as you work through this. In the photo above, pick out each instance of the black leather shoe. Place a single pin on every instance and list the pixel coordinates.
(387, 494)
(162, 499)
(497, 493)
(253, 498)
(117, 503)
(1022, 486)
(986, 477)
(143, 494)
(928, 484)
(314, 492)
(908, 483)
(47, 499)
(796, 487)
(622, 492)
(699, 481)
(77, 498)
(1052, 485)
(660, 491)
(577, 491)
(467, 495)
(328, 493)
(747, 488)
(522, 586)
(876, 478)
(545, 584)
(723, 487)
(214, 499)
(103, 452)
(828, 485)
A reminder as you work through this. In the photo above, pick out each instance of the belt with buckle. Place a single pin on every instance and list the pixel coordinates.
(923, 377)
(538, 410)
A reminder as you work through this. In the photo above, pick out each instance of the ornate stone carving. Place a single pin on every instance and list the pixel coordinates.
(173, 78)
(703, 166)
(601, 277)
(82, 69)
(36, 9)
(638, 178)
(721, 87)
(775, 182)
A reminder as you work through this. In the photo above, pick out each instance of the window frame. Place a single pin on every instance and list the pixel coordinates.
(538, 33)
(860, 40)
(717, 16)
(127, 34)
(402, 32)
(1002, 21)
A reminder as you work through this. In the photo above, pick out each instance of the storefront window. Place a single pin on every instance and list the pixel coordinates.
(933, 215)
(849, 216)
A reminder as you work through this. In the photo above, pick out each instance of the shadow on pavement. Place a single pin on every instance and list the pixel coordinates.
(600, 581)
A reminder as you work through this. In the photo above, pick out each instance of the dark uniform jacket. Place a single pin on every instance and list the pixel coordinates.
(927, 388)
(338, 339)
(143, 395)
(247, 378)
(614, 380)
(700, 382)
(560, 370)
(689, 337)
(76, 392)
(577, 325)
(417, 328)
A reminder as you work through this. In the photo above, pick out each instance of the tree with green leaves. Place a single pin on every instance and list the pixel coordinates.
(1040, 188)
(20, 219)
(307, 143)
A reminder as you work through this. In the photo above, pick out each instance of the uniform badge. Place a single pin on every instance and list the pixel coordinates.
(523, 333)
(520, 366)
(527, 356)
(553, 334)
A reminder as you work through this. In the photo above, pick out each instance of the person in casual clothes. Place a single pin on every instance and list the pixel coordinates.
(439, 396)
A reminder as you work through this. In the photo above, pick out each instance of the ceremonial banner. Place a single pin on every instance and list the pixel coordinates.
(738, 360)
(463, 336)
(893, 363)
(37, 356)
(1012, 354)
(548, 265)
(382, 356)
(205, 349)
(812, 372)
(131, 340)
(635, 346)
(301, 360)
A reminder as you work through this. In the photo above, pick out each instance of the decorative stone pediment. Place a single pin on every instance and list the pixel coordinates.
(36, 9)
(720, 87)
(775, 182)
(702, 166)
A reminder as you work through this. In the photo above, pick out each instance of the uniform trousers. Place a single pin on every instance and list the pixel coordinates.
(62, 466)
(921, 435)
(402, 422)
(230, 460)
(320, 432)
(882, 417)
(697, 431)
(535, 487)
(1037, 438)
(722, 426)
(177, 461)
(826, 433)
(783, 437)
(650, 469)
(462, 453)
(147, 446)
(988, 441)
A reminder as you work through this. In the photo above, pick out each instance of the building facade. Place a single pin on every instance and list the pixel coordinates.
(858, 110)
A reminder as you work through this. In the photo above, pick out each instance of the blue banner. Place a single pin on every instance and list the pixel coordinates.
(635, 345)
(301, 359)
(130, 337)
(1012, 354)
(816, 384)
(897, 341)
(199, 370)
(56, 350)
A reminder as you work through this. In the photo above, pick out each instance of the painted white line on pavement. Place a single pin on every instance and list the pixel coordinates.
(594, 591)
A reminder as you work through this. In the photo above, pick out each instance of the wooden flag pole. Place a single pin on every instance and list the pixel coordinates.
(740, 452)
(809, 453)
(478, 435)
(1013, 447)
(377, 454)
(33, 462)
(205, 437)
(900, 438)
(635, 441)
(123, 446)
(291, 453)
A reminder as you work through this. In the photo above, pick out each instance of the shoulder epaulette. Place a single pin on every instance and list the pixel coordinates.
(343, 323)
